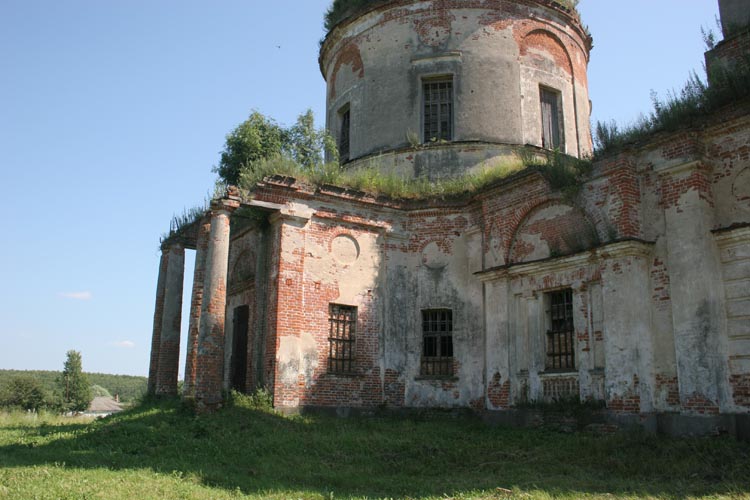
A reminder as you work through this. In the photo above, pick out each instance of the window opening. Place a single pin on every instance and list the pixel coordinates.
(342, 332)
(437, 342)
(551, 129)
(344, 134)
(437, 96)
(238, 361)
(560, 345)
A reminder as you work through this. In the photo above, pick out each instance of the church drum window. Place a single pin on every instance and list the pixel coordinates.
(344, 133)
(551, 119)
(437, 98)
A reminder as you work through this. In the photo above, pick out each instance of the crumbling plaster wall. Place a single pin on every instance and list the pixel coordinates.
(690, 185)
(660, 285)
(328, 258)
(538, 242)
(446, 251)
(390, 268)
(664, 311)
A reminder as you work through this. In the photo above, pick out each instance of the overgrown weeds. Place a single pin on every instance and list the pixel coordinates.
(378, 180)
(563, 172)
(261, 399)
(180, 222)
(686, 108)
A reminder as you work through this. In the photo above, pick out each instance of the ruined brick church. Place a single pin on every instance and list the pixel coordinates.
(635, 291)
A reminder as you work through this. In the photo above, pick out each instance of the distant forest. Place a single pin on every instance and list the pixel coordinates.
(128, 387)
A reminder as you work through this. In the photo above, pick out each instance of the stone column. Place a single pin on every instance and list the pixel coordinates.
(169, 351)
(210, 355)
(158, 313)
(196, 303)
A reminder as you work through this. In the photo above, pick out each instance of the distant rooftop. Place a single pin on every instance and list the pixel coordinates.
(104, 404)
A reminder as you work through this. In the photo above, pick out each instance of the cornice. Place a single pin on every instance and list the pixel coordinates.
(615, 250)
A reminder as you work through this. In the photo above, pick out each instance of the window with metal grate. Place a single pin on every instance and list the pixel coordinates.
(341, 339)
(437, 342)
(560, 336)
(437, 97)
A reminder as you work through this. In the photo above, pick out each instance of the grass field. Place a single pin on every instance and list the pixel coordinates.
(162, 451)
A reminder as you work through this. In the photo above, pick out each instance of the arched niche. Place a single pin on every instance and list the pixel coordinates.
(550, 230)
(544, 51)
(243, 270)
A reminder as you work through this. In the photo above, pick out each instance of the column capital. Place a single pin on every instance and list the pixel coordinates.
(176, 244)
(226, 205)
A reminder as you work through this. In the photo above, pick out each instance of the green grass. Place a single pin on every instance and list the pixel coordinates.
(162, 451)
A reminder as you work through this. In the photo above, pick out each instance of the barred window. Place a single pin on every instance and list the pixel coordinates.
(437, 96)
(560, 339)
(437, 342)
(342, 334)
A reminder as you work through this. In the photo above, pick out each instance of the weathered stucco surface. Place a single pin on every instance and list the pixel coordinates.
(497, 54)
(653, 249)
(658, 273)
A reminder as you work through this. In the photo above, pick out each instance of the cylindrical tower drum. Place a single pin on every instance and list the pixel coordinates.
(437, 87)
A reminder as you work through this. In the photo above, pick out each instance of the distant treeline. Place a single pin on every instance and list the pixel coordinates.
(128, 387)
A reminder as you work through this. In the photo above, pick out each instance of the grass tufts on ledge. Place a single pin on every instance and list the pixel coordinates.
(686, 108)
(180, 222)
(563, 172)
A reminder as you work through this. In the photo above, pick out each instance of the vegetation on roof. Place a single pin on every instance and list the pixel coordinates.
(260, 137)
(259, 148)
(699, 98)
(180, 222)
(342, 9)
(563, 172)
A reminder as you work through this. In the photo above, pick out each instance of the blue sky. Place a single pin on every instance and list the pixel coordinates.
(113, 113)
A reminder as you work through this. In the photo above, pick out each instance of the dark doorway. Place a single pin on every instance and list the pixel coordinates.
(239, 348)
